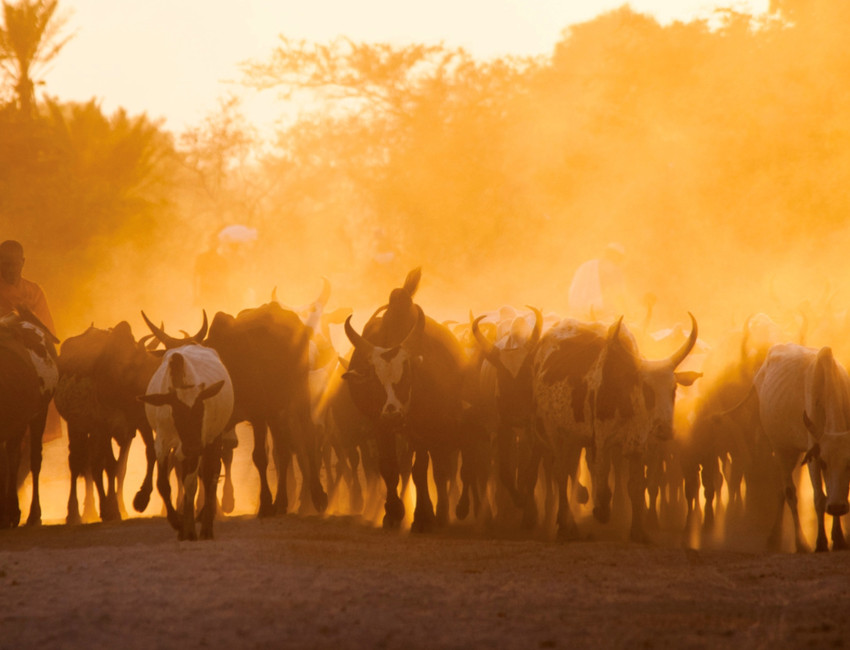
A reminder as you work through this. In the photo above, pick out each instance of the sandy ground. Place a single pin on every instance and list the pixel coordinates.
(339, 582)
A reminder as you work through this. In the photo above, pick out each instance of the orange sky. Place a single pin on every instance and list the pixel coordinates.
(173, 60)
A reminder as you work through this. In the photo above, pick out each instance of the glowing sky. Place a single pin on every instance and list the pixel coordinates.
(173, 59)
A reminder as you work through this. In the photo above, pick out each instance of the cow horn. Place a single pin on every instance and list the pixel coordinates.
(167, 340)
(411, 282)
(274, 295)
(356, 340)
(538, 327)
(687, 346)
(326, 292)
(483, 343)
(378, 311)
(199, 337)
(415, 333)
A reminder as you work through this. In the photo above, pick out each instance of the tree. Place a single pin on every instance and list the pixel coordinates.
(30, 37)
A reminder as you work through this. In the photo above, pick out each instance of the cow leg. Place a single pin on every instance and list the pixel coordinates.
(191, 467)
(261, 461)
(105, 465)
(36, 428)
(423, 512)
(444, 467)
(819, 498)
(788, 461)
(567, 528)
(77, 463)
(163, 486)
(388, 467)
(228, 444)
(120, 474)
(602, 495)
(142, 498)
(637, 489)
(308, 444)
(282, 450)
(210, 470)
(709, 481)
(12, 515)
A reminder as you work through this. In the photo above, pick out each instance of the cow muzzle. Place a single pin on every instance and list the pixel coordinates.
(391, 414)
(837, 509)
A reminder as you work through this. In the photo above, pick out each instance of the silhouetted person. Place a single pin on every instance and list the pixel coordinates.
(598, 287)
(16, 290)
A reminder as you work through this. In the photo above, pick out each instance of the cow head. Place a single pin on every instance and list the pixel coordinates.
(171, 342)
(657, 381)
(831, 452)
(512, 358)
(383, 379)
(188, 415)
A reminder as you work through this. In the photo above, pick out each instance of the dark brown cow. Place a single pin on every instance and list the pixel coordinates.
(265, 350)
(101, 373)
(593, 389)
(28, 377)
(406, 376)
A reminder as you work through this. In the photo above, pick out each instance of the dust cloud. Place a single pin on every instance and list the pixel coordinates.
(713, 156)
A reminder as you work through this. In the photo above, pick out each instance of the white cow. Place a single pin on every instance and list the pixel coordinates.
(796, 380)
(189, 402)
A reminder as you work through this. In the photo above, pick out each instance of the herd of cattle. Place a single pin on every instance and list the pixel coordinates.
(504, 408)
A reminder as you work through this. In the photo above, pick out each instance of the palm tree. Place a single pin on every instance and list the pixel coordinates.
(29, 38)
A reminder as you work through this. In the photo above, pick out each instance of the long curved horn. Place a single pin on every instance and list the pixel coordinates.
(326, 292)
(538, 327)
(415, 333)
(274, 295)
(483, 343)
(168, 341)
(199, 337)
(687, 346)
(378, 311)
(356, 340)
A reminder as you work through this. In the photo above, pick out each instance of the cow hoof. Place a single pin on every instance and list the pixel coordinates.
(394, 510)
(141, 500)
(822, 546)
(568, 533)
(73, 518)
(422, 524)
(34, 519)
(639, 537)
(320, 500)
(582, 495)
(266, 510)
(390, 523)
(462, 509)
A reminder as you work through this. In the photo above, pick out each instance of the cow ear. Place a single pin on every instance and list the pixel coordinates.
(813, 453)
(353, 376)
(687, 378)
(156, 399)
(206, 393)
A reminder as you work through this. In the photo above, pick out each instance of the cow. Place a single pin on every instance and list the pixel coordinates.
(265, 350)
(323, 362)
(794, 381)
(28, 378)
(406, 375)
(593, 389)
(101, 373)
(189, 404)
(505, 393)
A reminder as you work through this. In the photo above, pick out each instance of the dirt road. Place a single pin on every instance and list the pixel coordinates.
(310, 582)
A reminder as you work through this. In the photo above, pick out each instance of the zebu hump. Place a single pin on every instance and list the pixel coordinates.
(572, 357)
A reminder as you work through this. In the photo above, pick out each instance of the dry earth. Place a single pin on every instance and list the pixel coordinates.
(310, 582)
(339, 582)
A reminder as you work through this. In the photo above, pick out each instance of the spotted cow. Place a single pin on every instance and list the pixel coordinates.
(593, 389)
